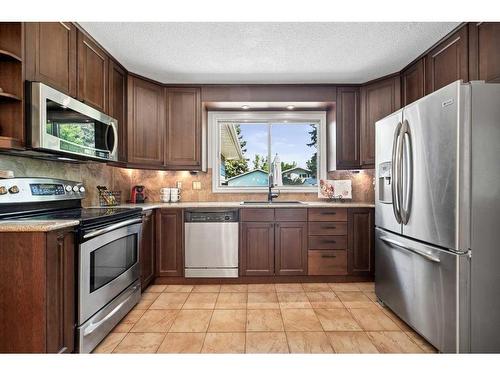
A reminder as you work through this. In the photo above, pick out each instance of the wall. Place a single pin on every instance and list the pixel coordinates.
(93, 174)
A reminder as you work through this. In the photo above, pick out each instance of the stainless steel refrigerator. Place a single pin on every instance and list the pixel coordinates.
(437, 216)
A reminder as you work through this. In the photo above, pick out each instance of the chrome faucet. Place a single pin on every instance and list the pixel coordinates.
(270, 194)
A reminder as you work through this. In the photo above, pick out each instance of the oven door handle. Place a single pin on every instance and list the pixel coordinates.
(110, 228)
(93, 326)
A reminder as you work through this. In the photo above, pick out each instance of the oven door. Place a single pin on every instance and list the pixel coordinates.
(109, 263)
(65, 125)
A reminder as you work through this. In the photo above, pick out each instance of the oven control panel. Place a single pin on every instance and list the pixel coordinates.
(25, 190)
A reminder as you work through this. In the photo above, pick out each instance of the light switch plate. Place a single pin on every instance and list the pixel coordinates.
(179, 184)
(196, 185)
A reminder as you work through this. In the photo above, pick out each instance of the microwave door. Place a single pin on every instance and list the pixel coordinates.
(64, 125)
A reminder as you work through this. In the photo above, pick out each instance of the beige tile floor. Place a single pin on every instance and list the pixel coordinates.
(258, 318)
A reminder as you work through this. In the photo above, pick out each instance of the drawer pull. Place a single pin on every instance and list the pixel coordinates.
(329, 213)
(330, 227)
(328, 256)
(329, 241)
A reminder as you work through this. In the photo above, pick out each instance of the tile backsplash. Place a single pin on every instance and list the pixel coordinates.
(115, 178)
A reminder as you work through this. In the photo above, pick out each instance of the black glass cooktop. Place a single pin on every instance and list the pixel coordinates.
(89, 215)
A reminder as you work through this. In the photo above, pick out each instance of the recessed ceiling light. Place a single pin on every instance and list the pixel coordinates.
(290, 107)
(245, 107)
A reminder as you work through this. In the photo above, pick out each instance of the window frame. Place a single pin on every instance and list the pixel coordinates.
(214, 117)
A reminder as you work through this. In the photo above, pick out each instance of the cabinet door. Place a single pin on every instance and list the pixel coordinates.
(117, 105)
(146, 122)
(60, 292)
(147, 253)
(447, 62)
(484, 51)
(256, 249)
(377, 101)
(412, 79)
(183, 138)
(169, 237)
(347, 127)
(361, 241)
(50, 52)
(92, 73)
(291, 248)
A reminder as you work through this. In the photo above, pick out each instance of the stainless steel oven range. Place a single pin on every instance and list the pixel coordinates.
(107, 246)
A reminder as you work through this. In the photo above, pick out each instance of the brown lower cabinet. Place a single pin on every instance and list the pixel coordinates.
(37, 276)
(361, 237)
(273, 242)
(147, 253)
(169, 242)
(343, 245)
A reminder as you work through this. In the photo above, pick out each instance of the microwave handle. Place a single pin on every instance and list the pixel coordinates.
(112, 227)
(115, 133)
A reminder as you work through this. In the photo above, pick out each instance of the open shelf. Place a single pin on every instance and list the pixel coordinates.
(6, 97)
(7, 56)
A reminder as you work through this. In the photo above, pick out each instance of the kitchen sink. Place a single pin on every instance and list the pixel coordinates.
(271, 203)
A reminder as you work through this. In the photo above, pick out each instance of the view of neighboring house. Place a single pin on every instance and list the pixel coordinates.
(299, 176)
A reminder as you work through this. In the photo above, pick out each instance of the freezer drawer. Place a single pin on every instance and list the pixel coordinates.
(420, 284)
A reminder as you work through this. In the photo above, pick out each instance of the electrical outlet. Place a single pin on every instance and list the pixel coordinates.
(196, 185)
(179, 184)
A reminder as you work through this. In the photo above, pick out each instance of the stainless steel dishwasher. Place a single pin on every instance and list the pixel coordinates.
(211, 242)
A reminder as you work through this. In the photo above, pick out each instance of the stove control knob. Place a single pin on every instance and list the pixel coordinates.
(82, 189)
(14, 189)
(3, 190)
(75, 189)
(68, 188)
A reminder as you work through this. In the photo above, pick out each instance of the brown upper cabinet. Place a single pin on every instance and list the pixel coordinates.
(378, 100)
(183, 136)
(447, 62)
(117, 105)
(12, 129)
(92, 73)
(484, 51)
(146, 122)
(413, 82)
(50, 53)
(347, 127)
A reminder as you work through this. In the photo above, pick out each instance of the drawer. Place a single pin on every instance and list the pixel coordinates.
(328, 214)
(327, 242)
(290, 214)
(318, 228)
(327, 262)
(257, 214)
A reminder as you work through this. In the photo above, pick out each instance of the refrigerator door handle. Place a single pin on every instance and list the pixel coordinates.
(408, 163)
(411, 249)
(395, 175)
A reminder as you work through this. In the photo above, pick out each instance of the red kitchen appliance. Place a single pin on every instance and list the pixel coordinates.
(138, 194)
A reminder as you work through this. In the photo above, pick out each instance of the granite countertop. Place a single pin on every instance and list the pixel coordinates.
(152, 205)
(24, 225)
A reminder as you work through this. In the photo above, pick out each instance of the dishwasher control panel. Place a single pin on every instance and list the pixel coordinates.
(211, 216)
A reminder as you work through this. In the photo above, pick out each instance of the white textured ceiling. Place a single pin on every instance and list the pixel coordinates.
(266, 52)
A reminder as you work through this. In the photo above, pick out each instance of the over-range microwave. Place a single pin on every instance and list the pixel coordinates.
(63, 125)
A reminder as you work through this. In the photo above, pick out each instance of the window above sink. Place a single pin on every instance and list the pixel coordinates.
(245, 148)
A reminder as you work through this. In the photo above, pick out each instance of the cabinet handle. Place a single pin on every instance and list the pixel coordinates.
(329, 213)
(329, 241)
(330, 227)
(328, 256)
